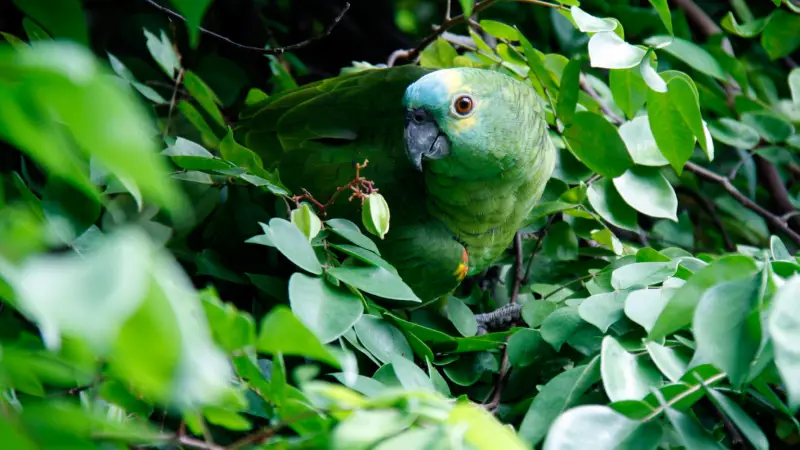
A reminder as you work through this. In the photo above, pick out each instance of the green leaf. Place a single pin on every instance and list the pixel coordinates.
(364, 428)
(534, 312)
(690, 53)
(193, 11)
(560, 393)
(674, 136)
(283, 333)
(662, 8)
(770, 126)
(734, 133)
(642, 274)
(598, 426)
(500, 30)
(163, 53)
(793, 80)
(629, 90)
(669, 360)
(645, 305)
(376, 281)
(466, 6)
(605, 199)
(461, 316)
(596, 142)
(410, 375)
(207, 99)
(326, 310)
(647, 191)
(625, 377)
(747, 30)
(440, 54)
(482, 430)
(727, 326)
(650, 76)
(233, 329)
(640, 142)
(568, 92)
(779, 37)
(561, 243)
(382, 339)
(363, 255)
(783, 325)
(589, 23)
(291, 242)
(740, 418)
(560, 326)
(348, 230)
(63, 19)
(609, 51)
(248, 159)
(778, 250)
(34, 32)
(691, 433)
(524, 346)
(603, 310)
(679, 310)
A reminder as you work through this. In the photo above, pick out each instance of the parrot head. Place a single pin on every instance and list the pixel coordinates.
(466, 122)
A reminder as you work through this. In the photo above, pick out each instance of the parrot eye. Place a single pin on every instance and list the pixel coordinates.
(463, 105)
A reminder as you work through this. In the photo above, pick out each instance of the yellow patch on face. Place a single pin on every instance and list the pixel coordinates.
(465, 123)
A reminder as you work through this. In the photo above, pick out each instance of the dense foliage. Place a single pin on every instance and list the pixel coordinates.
(161, 289)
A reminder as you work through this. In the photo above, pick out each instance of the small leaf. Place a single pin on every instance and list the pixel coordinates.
(640, 142)
(482, 430)
(500, 30)
(560, 393)
(590, 24)
(690, 53)
(625, 377)
(651, 77)
(690, 433)
(304, 219)
(290, 241)
(642, 274)
(282, 332)
(374, 280)
(524, 346)
(662, 8)
(793, 80)
(598, 426)
(560, 325)
(375, 215)
(770, 126)
(603, 310)
(734, 133)
(747, 30)
(740, 418)
(629, 89)
(668, 360)
(644, 306)
(535, 312)
(410, 375)
(647, 191)
(561, 242)
(605, 199)
(203, 94)
(382, 339)
(348, 230)
(568, 92)
(63, 19)
(609, 51)
(597, 144)
(193, 11)
(461, 316)
(466, 6)
(326, 310)
(681, 306)
(163, 53)
(674, 136)
(783, 324)
(780, 37)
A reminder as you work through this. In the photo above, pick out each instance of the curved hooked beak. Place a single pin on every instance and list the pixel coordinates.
(423, 138)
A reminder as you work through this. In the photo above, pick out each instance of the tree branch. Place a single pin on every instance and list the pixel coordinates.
(265, 51)
(773, 219)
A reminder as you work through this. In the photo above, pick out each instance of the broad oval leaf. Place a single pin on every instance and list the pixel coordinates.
(376, 281)
(382, 339)
(640, 142)
(625, 377)
(597, 144)
(598, 426)
(325, 309)
(648, 192)
(784, 329)
(290, 241)
(609, 51)
(690, 53)
(734, 133)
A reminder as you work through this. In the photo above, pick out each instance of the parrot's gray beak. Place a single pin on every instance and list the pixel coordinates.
(423, 138)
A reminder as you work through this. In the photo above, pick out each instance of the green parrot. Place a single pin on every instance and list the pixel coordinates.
(461, 156)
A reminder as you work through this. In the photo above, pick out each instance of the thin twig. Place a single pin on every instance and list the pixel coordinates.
(536, 248)
(411, 55)
(584, 84)
(178, 81)
(743, 199)
(518, 273)
(500, 384)
(356, 185)
(265, 51)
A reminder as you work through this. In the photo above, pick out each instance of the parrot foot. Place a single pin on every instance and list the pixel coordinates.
(498, 318)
